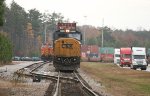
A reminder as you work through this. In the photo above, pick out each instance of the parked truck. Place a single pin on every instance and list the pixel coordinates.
(125, 57)
(117, 56)
(139, 58)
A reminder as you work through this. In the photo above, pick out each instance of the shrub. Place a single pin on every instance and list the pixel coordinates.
(5, 49)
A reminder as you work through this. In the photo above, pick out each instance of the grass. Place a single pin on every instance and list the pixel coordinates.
(119, 81)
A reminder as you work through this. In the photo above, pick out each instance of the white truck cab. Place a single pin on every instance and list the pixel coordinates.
(117, 56)
(139, 58)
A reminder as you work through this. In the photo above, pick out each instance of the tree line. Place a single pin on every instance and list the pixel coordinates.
(22, 33)
(118, 38)
(26, 29)
(5, 49)
(5, 45)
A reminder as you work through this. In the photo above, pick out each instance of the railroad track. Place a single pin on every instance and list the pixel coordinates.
(29, 69)
(32, 71)
(63, 84)
(69, 84)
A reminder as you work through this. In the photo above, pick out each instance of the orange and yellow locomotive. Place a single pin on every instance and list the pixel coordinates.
(67, 47)
(46, 52)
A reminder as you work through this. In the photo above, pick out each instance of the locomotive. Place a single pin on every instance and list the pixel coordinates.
(46, 52)
(67, 47)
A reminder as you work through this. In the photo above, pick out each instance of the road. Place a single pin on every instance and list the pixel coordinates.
(148, 68)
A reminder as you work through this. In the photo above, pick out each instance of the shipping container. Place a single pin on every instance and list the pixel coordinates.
(107, 57)
(84, 48)
(93, 48)
(94, 57)
(90, 48)
(84, 56)
(106, 54)
(106, 50)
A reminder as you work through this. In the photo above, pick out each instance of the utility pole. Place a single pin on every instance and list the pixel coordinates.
(45, 32)
(84, 29)
(102, 33)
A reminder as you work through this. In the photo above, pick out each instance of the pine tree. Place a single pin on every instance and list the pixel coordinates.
(5, 50)
(1, 13)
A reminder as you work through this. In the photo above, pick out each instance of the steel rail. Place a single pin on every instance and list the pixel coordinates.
(88, 89)
(37, 67)
(57, 86)
(22, 69)
(45, 76)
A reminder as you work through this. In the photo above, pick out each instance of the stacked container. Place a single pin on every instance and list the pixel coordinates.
(93, 53)
(90, 53)
(107, 54)
(84, 51)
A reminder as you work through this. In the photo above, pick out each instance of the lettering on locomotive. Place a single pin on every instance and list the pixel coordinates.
(67, 45)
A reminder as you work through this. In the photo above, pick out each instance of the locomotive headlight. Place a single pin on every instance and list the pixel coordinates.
(67, 30)
(74, 59)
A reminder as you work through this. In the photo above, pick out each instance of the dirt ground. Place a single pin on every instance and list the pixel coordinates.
(10, 87)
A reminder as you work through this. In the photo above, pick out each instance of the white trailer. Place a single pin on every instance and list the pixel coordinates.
(117, 56)
(139, 58)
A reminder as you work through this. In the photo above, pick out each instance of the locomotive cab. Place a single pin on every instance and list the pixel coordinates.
(76, 35)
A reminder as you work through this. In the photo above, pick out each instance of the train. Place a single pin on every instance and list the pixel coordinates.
(67, 47)
(46, 52)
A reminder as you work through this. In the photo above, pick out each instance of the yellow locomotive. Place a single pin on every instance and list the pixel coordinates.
(67, 47)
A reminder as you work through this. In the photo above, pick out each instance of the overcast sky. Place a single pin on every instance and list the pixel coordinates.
(120, 14)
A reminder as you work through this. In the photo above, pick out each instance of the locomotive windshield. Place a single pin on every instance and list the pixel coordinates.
(75, 35)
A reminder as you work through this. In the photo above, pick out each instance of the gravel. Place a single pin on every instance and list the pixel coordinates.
(22, 87)
(96, 86)
(32, 89)
(7, 71)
